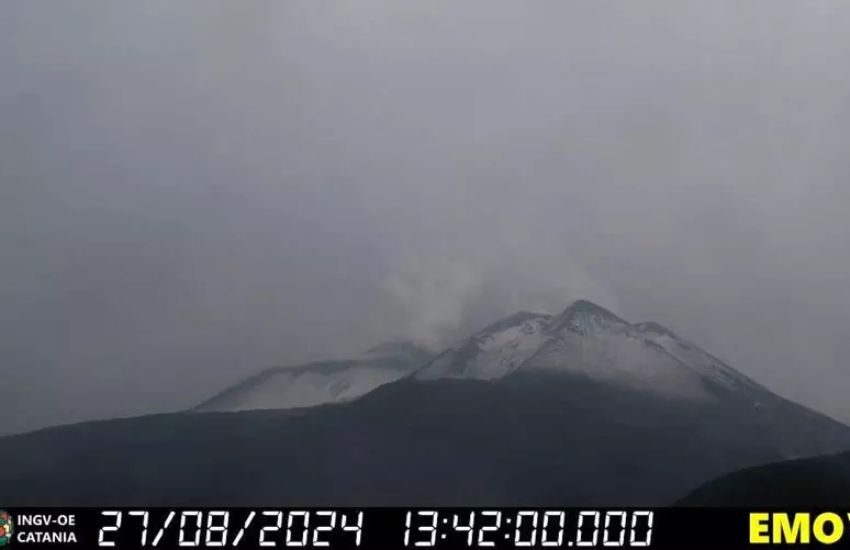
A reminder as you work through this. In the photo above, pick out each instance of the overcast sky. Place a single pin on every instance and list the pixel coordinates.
(190, 192)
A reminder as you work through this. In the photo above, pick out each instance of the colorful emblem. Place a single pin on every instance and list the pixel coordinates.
(6, 528)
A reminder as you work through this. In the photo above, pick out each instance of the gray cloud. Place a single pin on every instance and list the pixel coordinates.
(191, 192)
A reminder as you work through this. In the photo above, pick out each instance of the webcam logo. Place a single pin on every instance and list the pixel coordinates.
(6, 528)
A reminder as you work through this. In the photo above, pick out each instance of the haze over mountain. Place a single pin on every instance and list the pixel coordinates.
(190, 191)
(581, 408)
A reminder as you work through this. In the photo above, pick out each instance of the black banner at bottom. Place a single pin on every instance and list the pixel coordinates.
(420, 528)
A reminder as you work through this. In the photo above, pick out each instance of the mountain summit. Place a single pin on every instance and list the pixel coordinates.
(588, 340)
(581, 315)
(584, 339)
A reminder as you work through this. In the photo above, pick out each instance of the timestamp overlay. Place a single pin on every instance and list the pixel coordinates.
(424, 528)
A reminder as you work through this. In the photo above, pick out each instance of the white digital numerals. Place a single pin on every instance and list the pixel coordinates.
(213, 529)
(529, 528)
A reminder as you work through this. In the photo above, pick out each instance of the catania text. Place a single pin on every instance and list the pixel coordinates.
(41, 537)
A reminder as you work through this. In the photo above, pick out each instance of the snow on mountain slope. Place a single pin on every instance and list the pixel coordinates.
(494, 352)
(584, 339)
(696, 358)
(589, 340)
(319, 383)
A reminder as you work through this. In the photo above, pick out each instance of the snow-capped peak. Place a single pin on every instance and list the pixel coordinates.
(584, 340)
(583, 317)
(588, 340)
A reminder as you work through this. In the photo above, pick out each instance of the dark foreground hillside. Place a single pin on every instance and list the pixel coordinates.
(820, 481)
(525, 439)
